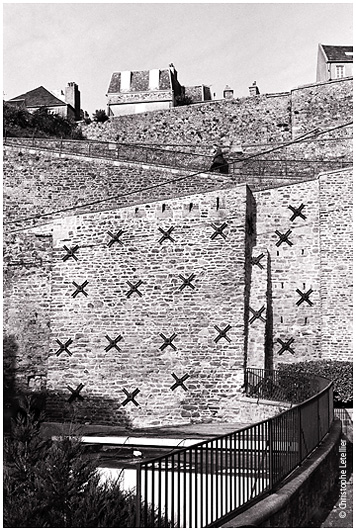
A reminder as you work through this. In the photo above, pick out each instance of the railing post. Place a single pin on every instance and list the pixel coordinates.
(138, 495)
(300, 433)
(270, 454)
(89, 146)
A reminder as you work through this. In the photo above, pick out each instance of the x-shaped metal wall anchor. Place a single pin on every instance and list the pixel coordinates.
(113, 343)
(134, 288)
(304, 297)
(222, 333)
(70, 252)
(80, 289)
(166, 234)
(255, 260)
(130, 397)
(64, 347)
(179, 382)
(284, 238)
(218, 231)
(297, 212)
(286, 345)
(257, 315)
(115, 238)
(168, 342)
(75, 393)
(187, 281)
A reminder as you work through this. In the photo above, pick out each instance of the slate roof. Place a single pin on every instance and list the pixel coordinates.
(39, 97)
(337, 53)
(139, 81)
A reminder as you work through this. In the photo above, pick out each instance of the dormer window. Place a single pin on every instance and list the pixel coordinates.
(340, 71)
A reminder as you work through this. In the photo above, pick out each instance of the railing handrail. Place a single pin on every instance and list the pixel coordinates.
(244, 161)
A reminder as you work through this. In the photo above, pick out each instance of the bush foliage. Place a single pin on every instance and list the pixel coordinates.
(18, 122)
(55, 483)
(339, 372)
(100, 116)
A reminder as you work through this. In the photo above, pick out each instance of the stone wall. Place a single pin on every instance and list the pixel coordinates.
(265, 119)
(294, 263)
(321, 104)
(254, 120)
(190, 288)
(336, 252)
(314, 219)
(39, 182)
(26, 310)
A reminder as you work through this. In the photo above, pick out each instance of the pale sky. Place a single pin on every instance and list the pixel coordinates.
(274, 44)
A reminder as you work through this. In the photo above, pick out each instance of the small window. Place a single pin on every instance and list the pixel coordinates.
(340, 71)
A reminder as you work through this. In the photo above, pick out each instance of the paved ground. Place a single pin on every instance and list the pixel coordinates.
(187, 431)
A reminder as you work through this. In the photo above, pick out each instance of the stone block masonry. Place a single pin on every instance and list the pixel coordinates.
(336, 235)
(288, 226)
(38, 182)
(153, 301)
(265, 119)
(26, 310)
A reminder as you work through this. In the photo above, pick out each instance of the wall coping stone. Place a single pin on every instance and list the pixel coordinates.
(316, 84)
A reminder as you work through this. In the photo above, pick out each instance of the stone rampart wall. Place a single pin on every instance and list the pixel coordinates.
(200, 238)
(294, 263)
(253, 120)
(38, 182)
(322, 105)
(336, 258)
(26, 309)
(264, 119)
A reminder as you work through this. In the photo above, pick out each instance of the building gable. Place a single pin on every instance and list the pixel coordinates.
(39, 97)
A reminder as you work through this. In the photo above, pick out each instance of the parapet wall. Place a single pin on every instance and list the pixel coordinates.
(38, 182)
(263, 119)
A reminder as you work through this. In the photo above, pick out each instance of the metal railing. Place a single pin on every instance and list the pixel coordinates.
(254, 166)
(208, 483)
(119, 151)
(280, 385)
(289, 168)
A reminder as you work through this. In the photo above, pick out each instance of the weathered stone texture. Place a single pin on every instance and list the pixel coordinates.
(26, 308)
(215, 367)
(322, 104)
(38, 182)
(265, 119)
(293, 267)
(254, 120)
(336, 252)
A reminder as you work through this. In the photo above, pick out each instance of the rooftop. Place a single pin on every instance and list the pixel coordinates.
(338, 53)
(39, 97)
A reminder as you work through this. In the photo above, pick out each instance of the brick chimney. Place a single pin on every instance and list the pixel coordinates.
(228, 93)
(254, 91)
(72, 97)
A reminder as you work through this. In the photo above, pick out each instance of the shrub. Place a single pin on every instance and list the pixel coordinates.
(339, 372)
(100, 116)
(18, 122)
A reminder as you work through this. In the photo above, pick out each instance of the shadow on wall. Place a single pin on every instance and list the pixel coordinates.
(269, 319)
(70, 405)
(250, 242)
